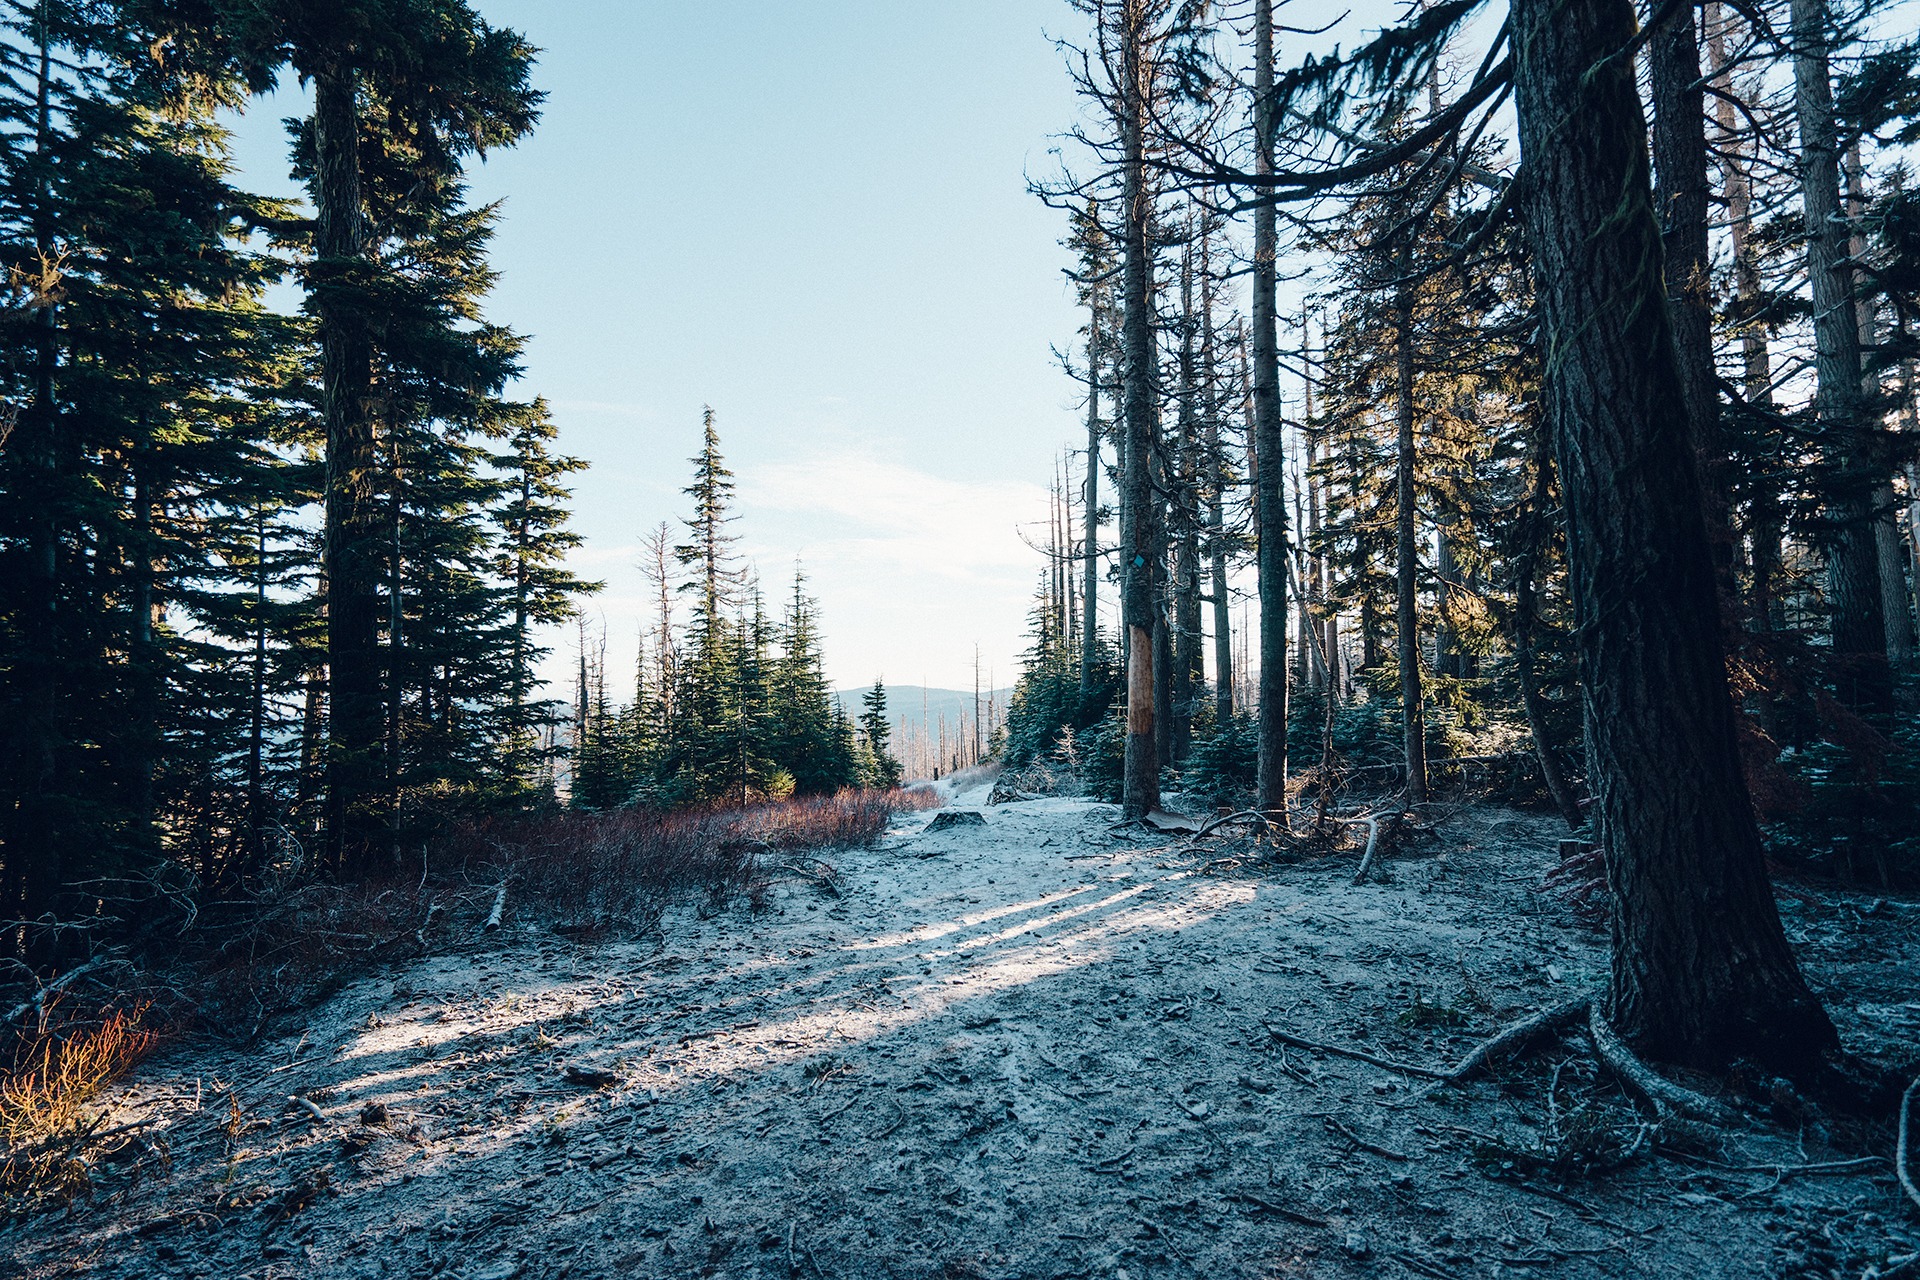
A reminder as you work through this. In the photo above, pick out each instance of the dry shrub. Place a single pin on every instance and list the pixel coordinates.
(627, 863)
(43, 1104)
(1580, 878)
(237, 963)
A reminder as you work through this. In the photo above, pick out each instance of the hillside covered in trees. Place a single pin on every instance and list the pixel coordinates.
(1459, 808)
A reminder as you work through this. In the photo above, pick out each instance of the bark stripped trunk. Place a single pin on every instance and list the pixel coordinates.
(1216, 507)
(1858, 620)
(1089, 595)
(1765, 517)
(1701, 969)
(1185, 491)
(1270, 786)
(1138, 533)
(1413, 720)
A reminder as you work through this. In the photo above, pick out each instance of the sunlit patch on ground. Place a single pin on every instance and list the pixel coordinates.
(1038, 1042)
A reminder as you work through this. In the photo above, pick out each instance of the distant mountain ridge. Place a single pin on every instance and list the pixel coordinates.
(911, 707)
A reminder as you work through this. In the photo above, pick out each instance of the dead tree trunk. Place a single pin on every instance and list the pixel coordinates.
(1858, 621)
(1270, 788)
(1413, 721)
(1139, 535)
(1765, 517)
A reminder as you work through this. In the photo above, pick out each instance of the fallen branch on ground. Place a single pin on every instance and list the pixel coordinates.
(499, 908)
(1372, 824)
(825, 878)
(1425, 1073)
(39, 1000)
(1385, 1153)
(1902, 1169)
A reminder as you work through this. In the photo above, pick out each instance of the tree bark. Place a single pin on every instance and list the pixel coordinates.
(1184, 489)
(352, 558)
(1701, 969)
(1413, 720)
(1139, 535)
(1858, 619)
(1090, 593)
(1270, 785)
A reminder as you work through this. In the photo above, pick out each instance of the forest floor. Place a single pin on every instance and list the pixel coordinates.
(1041, 1047)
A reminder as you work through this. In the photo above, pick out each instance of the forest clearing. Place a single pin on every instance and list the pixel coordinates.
(1048, 1046)
(1405, 520)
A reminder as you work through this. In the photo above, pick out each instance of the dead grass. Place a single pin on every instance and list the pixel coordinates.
(582, 873)
(50, 1138)
(234, 965)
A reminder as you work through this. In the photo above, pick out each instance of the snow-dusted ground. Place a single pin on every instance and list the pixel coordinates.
(1037, 1048)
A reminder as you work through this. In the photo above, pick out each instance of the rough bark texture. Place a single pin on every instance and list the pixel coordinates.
(1701, 968)
(1858, 620)
(352, 558)
(1138, 533)
(1270, 784)
(1413, 721)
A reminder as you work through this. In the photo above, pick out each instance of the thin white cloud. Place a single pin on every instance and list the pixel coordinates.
(887, 515)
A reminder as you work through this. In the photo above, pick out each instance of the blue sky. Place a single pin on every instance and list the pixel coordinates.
(812, 217)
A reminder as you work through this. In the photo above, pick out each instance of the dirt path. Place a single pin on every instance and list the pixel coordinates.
(1031, 1049)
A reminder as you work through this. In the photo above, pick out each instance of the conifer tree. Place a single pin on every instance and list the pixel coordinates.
(876, 732)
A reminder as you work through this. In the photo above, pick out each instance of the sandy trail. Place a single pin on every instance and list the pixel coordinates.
(1037, 1048)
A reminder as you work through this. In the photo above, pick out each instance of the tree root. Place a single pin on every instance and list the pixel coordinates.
(1660, 1093)
(1901, 1167)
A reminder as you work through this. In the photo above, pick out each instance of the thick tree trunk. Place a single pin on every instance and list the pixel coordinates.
(35, 853)
(355, 705)
(1270, 785)
(1858, 620)
(1413, 719)
(1701, 969)
(1139, 533)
